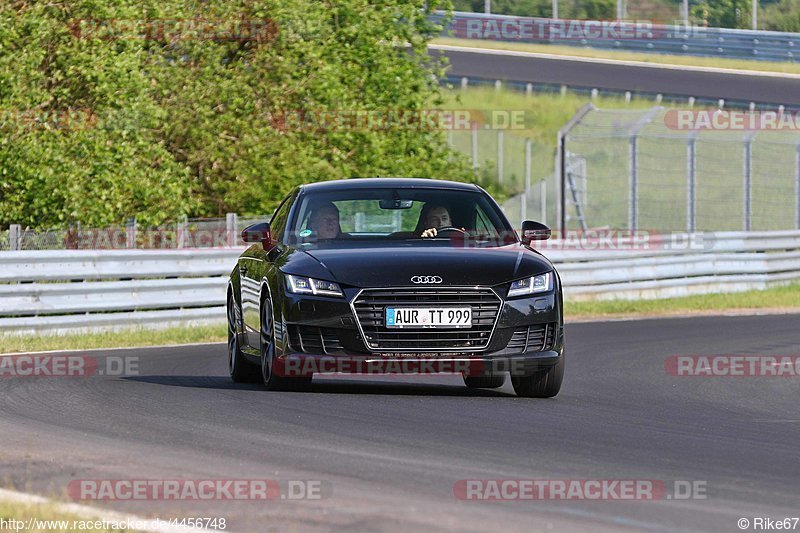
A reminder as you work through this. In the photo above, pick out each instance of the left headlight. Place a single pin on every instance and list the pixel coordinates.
(532, 285)
(304, 285)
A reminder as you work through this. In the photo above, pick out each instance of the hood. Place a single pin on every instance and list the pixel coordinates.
(395, 266)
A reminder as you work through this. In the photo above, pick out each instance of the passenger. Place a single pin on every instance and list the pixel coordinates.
(324, 221)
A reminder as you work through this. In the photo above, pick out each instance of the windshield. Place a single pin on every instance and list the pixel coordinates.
(358, 217)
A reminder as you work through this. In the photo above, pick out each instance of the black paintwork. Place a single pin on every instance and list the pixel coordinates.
(259, 277)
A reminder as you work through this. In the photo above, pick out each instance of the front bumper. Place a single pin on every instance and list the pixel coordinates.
(306, 365)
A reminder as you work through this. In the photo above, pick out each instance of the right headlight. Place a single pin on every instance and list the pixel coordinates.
(531, 285)
(317, 287)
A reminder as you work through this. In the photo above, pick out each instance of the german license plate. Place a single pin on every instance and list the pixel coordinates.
(428, 317)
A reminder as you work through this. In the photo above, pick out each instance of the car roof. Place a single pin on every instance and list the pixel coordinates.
(388, 183)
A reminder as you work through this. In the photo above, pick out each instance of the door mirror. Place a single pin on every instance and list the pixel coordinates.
(258, 233)
(534, 231)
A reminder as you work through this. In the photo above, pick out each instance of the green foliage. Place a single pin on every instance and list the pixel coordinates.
(781, 16)
(722, 13)
(173, 126)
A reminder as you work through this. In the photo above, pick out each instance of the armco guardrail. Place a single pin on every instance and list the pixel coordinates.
(63, 291)
(77, 290)
(637, 36)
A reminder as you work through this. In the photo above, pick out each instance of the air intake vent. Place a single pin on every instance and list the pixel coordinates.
(370, 307)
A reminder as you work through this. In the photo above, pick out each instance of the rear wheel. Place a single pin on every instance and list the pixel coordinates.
(240, 370)
(271, 381)
(485, 382)
(542, 384)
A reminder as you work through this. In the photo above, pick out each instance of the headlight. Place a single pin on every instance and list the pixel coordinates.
(532, 285)
(303, 285)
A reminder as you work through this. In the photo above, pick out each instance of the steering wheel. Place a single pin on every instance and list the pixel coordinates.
(439, 231)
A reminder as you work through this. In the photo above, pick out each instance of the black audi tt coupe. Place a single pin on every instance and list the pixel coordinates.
(388, 275)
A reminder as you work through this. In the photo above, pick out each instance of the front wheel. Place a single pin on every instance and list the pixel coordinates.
(542, 384)
(240, 369)
(272, 381)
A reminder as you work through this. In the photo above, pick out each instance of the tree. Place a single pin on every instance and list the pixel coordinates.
(186, 125)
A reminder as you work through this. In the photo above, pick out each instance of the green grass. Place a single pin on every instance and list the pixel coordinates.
(784, 298)
(739, 64)
(113, 339)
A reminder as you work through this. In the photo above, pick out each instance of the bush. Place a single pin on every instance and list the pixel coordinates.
(186, 126)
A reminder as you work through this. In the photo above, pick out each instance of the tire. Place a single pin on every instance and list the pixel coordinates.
(267, 349)
(485, 382)
(240, 369)
(542, 384)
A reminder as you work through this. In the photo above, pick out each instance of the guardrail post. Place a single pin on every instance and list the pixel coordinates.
(130, 232)
(691, 182)
(14, 236)
(475, 165)
(230, 228)
(500, 155)
(183, 226)
(748, 180)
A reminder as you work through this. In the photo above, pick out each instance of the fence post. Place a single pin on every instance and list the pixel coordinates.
(130, 232)
(14, 236)
(543, 201)
(500, 156)
(691, 182)
(633, 184)
(633, 167)
(230, 227)
(475, 165)
(183, 226)
(523, 208)
(528, 144)
(748, 180)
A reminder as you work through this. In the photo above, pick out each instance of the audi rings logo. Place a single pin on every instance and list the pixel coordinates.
(426, 279)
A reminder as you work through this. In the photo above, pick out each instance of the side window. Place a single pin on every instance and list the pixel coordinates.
(278, 223)
(482, 224)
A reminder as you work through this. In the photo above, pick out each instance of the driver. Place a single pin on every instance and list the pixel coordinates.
(324, 220)
(433, 218)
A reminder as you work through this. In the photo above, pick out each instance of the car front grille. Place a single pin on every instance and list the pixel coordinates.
(314, 340)
(534, 338)
(370, 306)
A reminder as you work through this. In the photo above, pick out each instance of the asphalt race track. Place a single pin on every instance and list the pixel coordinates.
(389, 450)
(680, 82)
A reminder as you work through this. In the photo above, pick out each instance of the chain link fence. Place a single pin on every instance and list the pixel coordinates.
(680, 170)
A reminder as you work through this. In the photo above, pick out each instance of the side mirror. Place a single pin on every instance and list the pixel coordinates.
(534, 231)
(258, 233)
